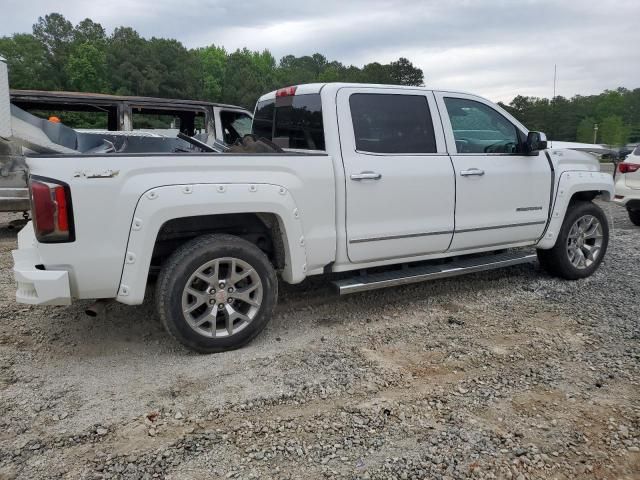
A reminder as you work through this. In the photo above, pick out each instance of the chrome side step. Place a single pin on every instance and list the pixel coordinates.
(422, 273)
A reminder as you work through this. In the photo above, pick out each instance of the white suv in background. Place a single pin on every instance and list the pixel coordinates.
(628, 185)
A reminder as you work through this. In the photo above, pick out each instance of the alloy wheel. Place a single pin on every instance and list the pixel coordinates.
(222, 297)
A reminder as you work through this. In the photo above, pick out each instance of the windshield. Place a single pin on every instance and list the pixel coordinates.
(291, 122)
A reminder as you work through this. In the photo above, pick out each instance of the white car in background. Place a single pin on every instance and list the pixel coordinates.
(628, 185)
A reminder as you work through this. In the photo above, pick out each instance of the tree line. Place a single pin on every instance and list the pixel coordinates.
(58, 55)
(611, 117)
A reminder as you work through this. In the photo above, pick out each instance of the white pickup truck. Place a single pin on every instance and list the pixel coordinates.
(395, 184)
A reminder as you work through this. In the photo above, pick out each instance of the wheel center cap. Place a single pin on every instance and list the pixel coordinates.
(221, 296)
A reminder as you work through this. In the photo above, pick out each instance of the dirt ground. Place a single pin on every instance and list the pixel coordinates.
(507, 374)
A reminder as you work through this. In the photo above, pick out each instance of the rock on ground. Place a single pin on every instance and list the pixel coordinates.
(509, 374)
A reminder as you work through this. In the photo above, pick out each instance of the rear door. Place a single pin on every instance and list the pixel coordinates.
(502, 195)
(400, 185)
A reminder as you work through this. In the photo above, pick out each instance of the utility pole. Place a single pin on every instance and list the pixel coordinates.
(595, 132)
(553, 102)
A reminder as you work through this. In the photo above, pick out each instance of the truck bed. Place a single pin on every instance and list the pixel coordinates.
(107, 191)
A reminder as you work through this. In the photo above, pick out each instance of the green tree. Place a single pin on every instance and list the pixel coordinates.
(88, 31)
(56, 34)
(126, 63)
(585, 129)
(377, 73)
(27, 60)
(613, 131)
(402, 72)
(86, 69)
(247, 76)
(174, 69)
(213, 63)
(294, 70)
(333, 72)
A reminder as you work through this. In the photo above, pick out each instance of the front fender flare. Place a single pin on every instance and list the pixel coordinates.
(161, 204)
(570, 183)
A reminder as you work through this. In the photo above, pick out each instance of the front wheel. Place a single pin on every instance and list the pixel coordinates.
(216, 293)
(581, 244)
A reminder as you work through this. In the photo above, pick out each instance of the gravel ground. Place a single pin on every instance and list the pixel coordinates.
(507, 374)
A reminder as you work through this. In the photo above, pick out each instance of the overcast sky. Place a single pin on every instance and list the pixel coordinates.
(496, 48)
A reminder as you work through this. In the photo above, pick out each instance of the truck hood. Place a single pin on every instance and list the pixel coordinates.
(568, 159)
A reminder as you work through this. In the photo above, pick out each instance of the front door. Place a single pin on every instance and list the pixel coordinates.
(502, 195)
(400, 185)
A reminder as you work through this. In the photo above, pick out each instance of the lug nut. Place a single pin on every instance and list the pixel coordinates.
(230, 290)
(230, 300)
(221, 285)
(220, 306)
(212, 302)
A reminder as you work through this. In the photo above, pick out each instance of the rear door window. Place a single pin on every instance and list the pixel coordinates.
(291, 122)
(387, 123)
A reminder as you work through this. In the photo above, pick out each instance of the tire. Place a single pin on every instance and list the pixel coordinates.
(188, 293)
(557, 261)
(634, 216)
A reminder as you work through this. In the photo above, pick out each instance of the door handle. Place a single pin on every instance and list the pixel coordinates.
(472, 172)
(366, 176)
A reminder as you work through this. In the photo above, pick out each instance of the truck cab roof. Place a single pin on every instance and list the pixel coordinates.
(311, 88)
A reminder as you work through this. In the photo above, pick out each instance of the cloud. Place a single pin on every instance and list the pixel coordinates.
(496, 48)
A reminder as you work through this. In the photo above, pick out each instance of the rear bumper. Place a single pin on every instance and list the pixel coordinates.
(625, 196)
(35, 286)
(14, 199)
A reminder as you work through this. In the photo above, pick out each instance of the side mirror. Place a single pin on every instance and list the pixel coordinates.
(536, 141)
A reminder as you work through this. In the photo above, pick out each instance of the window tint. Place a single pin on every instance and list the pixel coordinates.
(478, 128)
(298, 122)
(263, 119)
(291, 122)
(235, 125)
(392, 123)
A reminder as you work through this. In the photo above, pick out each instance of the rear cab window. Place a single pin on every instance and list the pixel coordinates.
(293, 121)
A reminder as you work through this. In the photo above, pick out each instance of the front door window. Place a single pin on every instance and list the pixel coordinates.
(478, 128)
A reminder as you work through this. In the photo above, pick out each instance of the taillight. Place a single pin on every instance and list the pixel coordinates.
(51, 210)
(286, 92)
(628, 167)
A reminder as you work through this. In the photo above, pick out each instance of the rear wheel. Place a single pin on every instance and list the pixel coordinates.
(581, 244)
(216, 293)
(634, 216)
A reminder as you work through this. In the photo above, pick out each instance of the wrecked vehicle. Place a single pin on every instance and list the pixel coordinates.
(111, 117)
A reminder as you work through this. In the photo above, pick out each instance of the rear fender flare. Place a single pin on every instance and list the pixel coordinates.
(161, 204)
